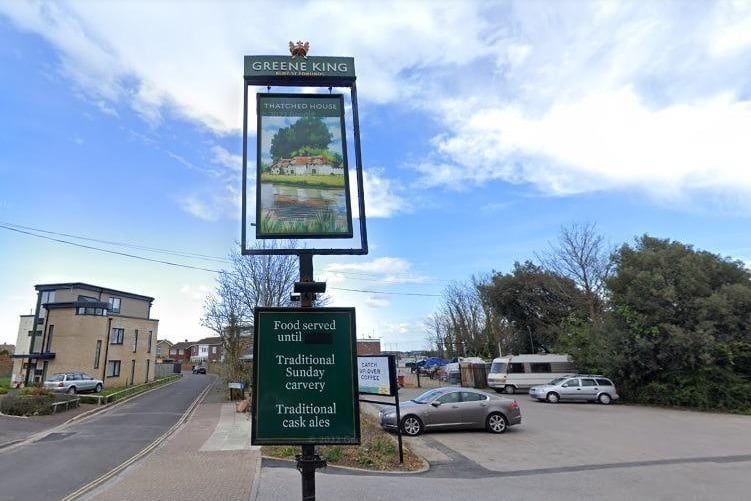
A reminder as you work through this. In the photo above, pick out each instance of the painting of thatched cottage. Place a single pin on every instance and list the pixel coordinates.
(306, 166)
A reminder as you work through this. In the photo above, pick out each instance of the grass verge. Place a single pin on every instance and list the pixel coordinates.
(378, 451)
(5, 382)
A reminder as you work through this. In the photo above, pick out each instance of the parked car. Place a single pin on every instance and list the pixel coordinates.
(199, 370)
(73, 382)
(580, 387)
(453, 408)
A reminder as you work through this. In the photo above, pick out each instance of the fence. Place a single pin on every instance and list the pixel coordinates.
(164, 370)
(73, 402)
(469, 376)
(131, 390)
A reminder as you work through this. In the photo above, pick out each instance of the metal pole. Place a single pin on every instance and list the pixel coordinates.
(398, 414)
(308, 461)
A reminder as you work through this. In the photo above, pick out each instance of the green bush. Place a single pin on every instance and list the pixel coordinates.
(26, 405)
(3, 391)
(705, 390)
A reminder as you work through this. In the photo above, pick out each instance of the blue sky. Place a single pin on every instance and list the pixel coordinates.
(486, 126)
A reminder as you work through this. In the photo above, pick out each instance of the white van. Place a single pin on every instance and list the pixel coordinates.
(520, 372)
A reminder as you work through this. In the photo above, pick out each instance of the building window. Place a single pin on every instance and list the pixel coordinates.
(114, 303)
(113, 368)
(97, 353)
(148, 345)
(213, 350)
(135, 341)
(48, 297)
(118, 334)
(50, 330)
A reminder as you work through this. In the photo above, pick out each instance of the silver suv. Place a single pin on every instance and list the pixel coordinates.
(579, 387)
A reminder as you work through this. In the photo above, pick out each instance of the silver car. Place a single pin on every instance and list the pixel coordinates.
(453, 408)
(73, 382)
(580, 387)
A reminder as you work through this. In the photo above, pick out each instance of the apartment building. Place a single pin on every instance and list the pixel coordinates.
(104, 332)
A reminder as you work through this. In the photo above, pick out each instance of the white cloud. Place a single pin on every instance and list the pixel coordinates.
(568, 96)
(604, 141)
(383, 270)
(196, 292)
(227, 159)
(383, 196)
(139, 51)
(378, 301)
(224, 202)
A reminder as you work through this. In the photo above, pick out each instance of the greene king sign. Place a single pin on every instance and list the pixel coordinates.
(304, 373)
(258, 69)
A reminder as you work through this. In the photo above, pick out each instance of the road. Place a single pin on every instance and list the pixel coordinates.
(61, 462)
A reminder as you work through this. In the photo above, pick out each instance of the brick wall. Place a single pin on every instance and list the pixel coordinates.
(6, 365)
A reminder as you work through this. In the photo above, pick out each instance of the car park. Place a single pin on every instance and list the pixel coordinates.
(453, 408)
(579, 387)
(73, 382)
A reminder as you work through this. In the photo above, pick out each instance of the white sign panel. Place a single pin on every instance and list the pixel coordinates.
(373, 375)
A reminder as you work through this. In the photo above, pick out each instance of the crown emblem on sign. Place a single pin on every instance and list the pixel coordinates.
(299, 49)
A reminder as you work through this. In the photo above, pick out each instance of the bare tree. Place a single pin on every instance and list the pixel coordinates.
(465, 324)
(226, 314)
(265, 280)
(581, 255)
(251, 281)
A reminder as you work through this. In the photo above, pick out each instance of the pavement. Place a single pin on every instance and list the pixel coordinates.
(208, 457)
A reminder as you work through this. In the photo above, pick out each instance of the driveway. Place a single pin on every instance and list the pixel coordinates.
(564, 452)
(592, 436)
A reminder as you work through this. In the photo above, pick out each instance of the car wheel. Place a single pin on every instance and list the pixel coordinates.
(412, 426)
(98, 388)
(604, 399)
(71, 390)
(496, 423)
(552, 397)
(510, 389)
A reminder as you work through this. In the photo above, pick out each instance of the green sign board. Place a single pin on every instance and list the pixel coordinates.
(267, 69)
(305, 377)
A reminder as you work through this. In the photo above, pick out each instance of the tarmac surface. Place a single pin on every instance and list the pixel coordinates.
(557, 453)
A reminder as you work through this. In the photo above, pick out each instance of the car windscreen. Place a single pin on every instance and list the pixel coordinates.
(428, 396)
(498, 368)
(558, 380)
(56, 377)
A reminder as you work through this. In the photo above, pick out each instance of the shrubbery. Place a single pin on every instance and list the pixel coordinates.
(27, 405)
